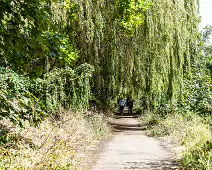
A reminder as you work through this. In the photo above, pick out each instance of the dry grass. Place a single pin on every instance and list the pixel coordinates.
(55, 144)
(190, 131)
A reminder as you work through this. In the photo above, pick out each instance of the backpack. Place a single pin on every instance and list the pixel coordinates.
(122, 102)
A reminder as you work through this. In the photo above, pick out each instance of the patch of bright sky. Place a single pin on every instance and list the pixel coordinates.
(206, 12)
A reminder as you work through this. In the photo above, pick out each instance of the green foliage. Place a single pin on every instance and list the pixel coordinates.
(131, 14)
(198, 85)
(199, 157)
(16, 102)
(143, 48)
(24, 99)
(152, 61)
(37, 56)
(199, 93)
(40, 36)
(68, 88)
(33, 39)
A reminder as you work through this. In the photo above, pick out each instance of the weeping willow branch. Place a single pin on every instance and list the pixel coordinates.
(152, 62)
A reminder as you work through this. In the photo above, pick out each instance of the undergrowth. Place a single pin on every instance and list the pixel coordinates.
(189, 130)
(22, 98)
(58, 143)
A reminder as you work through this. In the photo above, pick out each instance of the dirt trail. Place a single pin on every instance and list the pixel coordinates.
(131, 149)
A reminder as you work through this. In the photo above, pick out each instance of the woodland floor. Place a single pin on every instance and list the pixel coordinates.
(131, 149)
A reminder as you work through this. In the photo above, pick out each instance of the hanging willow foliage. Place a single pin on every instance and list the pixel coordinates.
(152, 61)
(132, 14)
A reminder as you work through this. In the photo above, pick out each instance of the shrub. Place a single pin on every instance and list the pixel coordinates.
(23, 99)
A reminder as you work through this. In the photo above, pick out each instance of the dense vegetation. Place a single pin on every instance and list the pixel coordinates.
(37, 56)
(68, 54)
(188, 123)
(151, 62)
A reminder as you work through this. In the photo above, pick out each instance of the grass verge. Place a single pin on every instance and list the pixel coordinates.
(191, 131)
(58, 143)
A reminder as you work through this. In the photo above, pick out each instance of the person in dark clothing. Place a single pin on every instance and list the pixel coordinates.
(130, 102)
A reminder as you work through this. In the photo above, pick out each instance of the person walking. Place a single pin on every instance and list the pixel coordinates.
(130, 103)
(122, 104)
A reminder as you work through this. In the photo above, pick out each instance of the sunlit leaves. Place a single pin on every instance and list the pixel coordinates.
(132, 14)
(32, 34)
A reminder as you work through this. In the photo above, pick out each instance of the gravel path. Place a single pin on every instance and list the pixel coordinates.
(131, 149)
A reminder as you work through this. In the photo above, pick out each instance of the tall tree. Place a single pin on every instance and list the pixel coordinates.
(143, 48)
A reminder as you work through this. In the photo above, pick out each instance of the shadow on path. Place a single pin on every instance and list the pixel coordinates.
(154, 165)
(126, 122)
(131, 149)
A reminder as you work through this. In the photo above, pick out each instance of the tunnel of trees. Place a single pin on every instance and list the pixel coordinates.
(62, 59)
(64, 53)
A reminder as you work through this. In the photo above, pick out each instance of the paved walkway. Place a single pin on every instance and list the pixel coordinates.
(131, 149)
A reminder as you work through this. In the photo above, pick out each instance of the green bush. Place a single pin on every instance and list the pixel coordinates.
(22, 98)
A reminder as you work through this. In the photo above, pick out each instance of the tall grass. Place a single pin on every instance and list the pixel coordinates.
(58, 143)
(189, 130)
